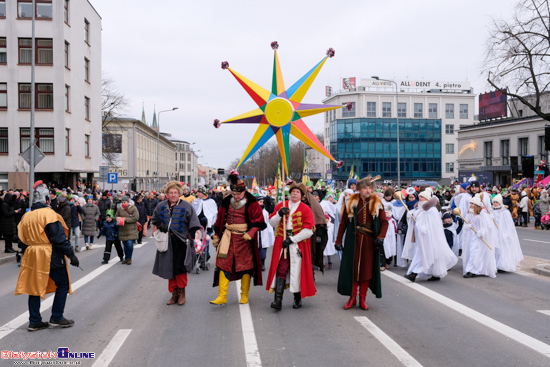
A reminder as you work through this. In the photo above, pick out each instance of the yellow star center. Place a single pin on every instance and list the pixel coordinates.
(279, 112)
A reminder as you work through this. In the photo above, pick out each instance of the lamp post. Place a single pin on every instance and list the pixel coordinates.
(397, 118)
(158, 142)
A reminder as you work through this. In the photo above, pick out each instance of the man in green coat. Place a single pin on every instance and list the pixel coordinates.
(126, 218)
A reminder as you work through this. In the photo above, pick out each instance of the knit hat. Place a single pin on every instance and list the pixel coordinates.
(125, 198)
(315, 193)
(427, 193)
(202, 190)
(498, 198)
(474, 183)
(352, 181)
(446, 215)
(476, 200)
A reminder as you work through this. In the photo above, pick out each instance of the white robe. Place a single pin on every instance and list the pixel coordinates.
(398, 212)
(267, 235)
(209, 207)
(508, 253)
(329, 249)
(390, 239)
(477, 258)
(429, 253)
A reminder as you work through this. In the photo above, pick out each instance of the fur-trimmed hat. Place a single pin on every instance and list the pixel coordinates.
(367, 181)
(299, 186)
(235, 182)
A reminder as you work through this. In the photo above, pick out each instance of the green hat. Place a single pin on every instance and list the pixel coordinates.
(309, 183)
(58, 193)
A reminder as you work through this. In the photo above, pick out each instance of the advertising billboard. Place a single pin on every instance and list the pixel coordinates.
(492, 105)
(348, 83)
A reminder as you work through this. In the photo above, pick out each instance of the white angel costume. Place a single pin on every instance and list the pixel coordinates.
(508, 253)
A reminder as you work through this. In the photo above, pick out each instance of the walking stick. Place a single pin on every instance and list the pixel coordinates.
(481, 197)
(284, 216)
(399, 197)
(456, 211)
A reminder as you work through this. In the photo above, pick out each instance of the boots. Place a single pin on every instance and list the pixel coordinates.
(174, 297)
(353, 299)
(181, 298)
(279, 289)
(245, 287)
(363, 287)
(263, 264)
(297, 300)
(222, 292)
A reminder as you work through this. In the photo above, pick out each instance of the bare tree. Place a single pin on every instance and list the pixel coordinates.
(517, 54)
(113, 106)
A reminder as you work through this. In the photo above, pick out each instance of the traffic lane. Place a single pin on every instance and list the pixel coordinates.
(510, 298)
(535, 243)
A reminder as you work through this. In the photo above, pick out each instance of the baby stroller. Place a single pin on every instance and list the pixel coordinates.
(200, 250)
(545, 221)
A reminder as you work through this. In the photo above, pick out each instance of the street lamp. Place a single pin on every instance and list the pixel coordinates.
(397, 118)
(158, 142)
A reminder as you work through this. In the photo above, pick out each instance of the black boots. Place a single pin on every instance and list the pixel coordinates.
(279, 288)
(263, 264)
(297, 300)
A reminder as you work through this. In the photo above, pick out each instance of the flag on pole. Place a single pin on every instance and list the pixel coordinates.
(254, 182)
(279, 184)
(305, 174)
(350, 175)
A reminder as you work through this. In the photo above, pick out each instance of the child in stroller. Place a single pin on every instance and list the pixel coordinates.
(545, 221)
(200, 249)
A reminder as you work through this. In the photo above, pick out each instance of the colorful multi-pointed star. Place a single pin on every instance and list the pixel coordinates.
(280, 111)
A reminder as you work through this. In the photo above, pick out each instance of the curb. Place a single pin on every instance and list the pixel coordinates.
(7, 259)
(543, 269)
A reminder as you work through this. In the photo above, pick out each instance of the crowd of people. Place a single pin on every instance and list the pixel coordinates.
(369, 226)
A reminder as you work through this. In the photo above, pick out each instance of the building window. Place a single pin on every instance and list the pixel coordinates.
(67, 141)
(418, 111)
(2, 9)
(67, 98)
(4, 142)
(488, 147)
(432, 110)
(66, 11)
(86, 31)
(3, 96)
(449, 111)
(3, 50)
(449, 148)
(402, 109)
(44, 51)
(386, 109)
(463, 111)
(449, 167)
(87, 146)
(43, 96)
(523, 144)
(346, 112)
(44, 139)
(43, 9)
(67, 44)
(542, 148)
(87, 108)
(449, 129)
(505, 152)
(86, 69)
(371, 109)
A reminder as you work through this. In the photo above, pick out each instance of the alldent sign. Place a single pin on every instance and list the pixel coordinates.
(415, 84)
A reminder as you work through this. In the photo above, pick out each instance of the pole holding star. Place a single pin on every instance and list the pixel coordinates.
(280, 111)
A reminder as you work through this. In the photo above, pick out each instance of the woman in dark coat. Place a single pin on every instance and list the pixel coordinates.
(140, 206)
(64, 209)
(20, 203)
(7, 225)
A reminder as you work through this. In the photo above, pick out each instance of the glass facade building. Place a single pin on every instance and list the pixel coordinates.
(370, 144)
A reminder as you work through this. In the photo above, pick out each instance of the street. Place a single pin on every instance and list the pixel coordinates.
(121, 315)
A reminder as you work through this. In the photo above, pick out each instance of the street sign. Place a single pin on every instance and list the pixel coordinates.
(329, 171)
(38, 155)
(103, 172)
(330, 182)
(125, 186)
(537, 172)
(112, 178)
(329, 176)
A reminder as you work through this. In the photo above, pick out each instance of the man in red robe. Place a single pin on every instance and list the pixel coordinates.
(239, 218)
(291, 258)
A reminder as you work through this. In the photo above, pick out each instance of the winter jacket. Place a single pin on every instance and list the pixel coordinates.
(90, 214)
(524, 204)
(20, 204)
(109, 230)
(150, 205)
(544, 203)
(103, 205)
(129, 230)
(75, 210)
(536, 211)
(7, 224)
(64, 209)
(142, 212)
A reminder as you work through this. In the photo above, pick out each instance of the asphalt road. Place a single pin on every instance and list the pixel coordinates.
(120, 313)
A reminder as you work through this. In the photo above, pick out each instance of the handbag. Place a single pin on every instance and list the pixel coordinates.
(161, 238)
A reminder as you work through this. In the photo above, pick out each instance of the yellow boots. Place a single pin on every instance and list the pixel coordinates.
(245, 287)
(222, 293)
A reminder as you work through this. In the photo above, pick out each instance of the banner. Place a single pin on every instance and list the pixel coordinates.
(305, 174)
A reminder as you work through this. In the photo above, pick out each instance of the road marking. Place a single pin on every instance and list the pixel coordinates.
(546, 312)
(20, 320)
(535, 241)
(388, 342)
(112, 348)
(250, 344)
(505, 330)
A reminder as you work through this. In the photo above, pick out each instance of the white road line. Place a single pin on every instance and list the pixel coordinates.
(20, 320)
(112, 348)
(250, 344)
(535, 241)
(546, 312)
(388, 342)
(505, 330)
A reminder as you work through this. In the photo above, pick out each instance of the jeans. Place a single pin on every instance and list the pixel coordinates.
(90, 238)
(76, 232)
(128, 248)
(61, 279)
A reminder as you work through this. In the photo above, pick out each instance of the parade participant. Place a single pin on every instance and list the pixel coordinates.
(239, 219)
(508, 252)
(352, 184)
(475, 188)
(207, 211)
(399, 213)
(266, 236)
(330, 250)
(412, 198)
(426, 246)
(452, 230)
(127, 230)
(320, 236)
(103, 204)
(177, 218)
(187, 195)
(110, 231)
(340, 209)
(365, 225)
(388, 251)
(523, 209)
(477, 257)
(291, 257)
(44, 269)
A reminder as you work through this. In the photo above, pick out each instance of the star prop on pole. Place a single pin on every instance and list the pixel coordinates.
(280, 111)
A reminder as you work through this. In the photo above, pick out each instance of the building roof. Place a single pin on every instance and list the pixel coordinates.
(504, 121)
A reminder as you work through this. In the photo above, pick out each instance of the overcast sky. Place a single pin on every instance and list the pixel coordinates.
(168, 53)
